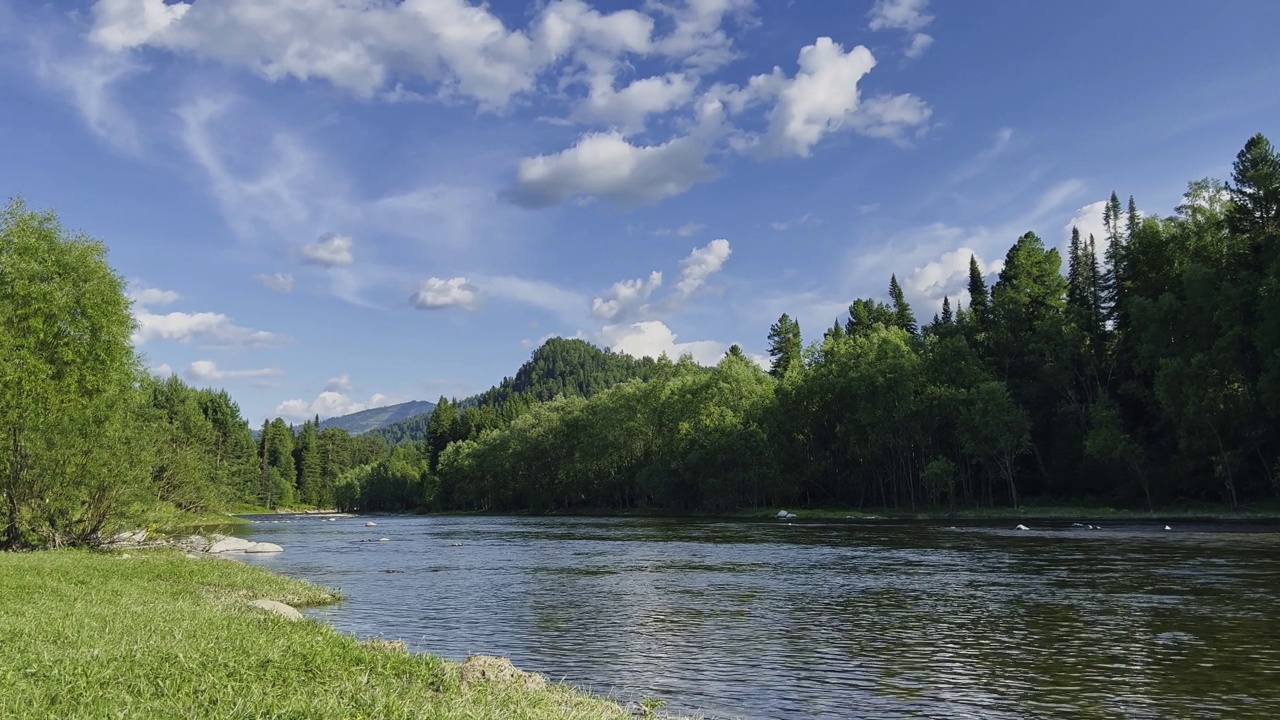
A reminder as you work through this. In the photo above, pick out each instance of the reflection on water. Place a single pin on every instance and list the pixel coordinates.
(778, 620)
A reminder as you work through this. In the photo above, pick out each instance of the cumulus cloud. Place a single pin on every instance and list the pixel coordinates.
(374, 50)
(823, 97)
(653, 338)
(331, 250)
(919, 43)
(606, 165)
(329, 404)
(909, 15)
(340, 384)
(626, 297)
(701, 264)
(143, 295)
(437, 293)
(627, 109)
(208, 371)
(208, 329)
(276, 282)
(162, 371)
(948, 276)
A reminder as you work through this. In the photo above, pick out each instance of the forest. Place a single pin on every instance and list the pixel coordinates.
(1141, 370)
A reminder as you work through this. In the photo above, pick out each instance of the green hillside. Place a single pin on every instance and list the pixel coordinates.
(368, 420)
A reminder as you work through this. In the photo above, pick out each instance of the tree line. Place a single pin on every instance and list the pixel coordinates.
(92, 442)
(1141, 369)
(1144, 372)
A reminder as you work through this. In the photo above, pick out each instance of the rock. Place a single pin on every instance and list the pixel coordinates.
(371, 524)
(263, 547)
(1022, 527)
(384, 539)
(388, 645)
(782, 514)
(125, 556)
(229, 544)
(137, 536)
(498, 671)
(1166, 527)
(191, 556)
(273, 607)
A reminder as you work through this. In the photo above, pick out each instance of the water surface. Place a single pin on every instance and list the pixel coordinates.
(775, 620)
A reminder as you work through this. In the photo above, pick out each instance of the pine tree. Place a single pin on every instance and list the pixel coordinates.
(306, 455)
(1113, 282)
(1255, 189)
(979, 300)
(904, 318)
(784, 346)
(948, 318)
(1095, 289)
(1077, 294)
(440, 429)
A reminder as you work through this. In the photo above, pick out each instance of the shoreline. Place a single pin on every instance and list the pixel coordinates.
(1206, 513)
(155, 633)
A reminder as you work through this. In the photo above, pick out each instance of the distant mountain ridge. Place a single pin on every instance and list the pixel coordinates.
(365, 421)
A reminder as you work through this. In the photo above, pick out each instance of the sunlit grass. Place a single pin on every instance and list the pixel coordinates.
(157, 635)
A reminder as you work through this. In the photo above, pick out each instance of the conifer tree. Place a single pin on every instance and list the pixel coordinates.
(784, 346)
(979, 300)
(948, 317)
(904, 318)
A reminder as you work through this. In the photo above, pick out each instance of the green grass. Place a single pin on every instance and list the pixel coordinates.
(157, 635)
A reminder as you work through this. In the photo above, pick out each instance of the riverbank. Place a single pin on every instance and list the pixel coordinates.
(156, 634)
(1188, 512)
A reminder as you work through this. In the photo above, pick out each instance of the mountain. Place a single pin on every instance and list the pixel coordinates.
(561, 367)
(366, 420)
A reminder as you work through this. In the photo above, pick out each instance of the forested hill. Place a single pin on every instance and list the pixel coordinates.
(374, 418)
(560, 368)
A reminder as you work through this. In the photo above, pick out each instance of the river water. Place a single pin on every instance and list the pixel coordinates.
(796, 620)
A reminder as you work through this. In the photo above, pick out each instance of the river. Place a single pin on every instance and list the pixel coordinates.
(773, 619)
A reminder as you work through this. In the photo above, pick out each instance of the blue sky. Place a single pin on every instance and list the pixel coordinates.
(325, 205)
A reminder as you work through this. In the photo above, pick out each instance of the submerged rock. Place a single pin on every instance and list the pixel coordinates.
(498, 671)
(263, 547)
(371, 524)
(279, 609)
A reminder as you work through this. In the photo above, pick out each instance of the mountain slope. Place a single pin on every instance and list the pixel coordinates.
(561, 367)
(375, 418)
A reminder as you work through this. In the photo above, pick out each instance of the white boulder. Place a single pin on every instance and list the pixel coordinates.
(371, 524)
(263, 547)
(1022, 527)
(278, 609)
(230, 544)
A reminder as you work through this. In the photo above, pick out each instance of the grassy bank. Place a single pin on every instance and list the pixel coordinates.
(157, 635)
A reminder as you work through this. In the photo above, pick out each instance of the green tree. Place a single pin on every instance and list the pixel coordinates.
(69, 420)
(903, 317)
(784, 346)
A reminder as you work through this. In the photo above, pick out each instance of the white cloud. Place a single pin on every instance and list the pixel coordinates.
(653, 338)
(208, 371)
(341, 384)
(329, 404)
(823, 97)
(919, 43)
(331, 250)
(209, 329)
(90, 79)
(375, 49)
(1088, 220)
(438, 293)
(143, 295)
(701, 264)
(276, 282)
(805, 219)
(626, 297)
(909, 15)
(627, 109)
(607, 165)
(947, 276)
(162, 371)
